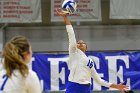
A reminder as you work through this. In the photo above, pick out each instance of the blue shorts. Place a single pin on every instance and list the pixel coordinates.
(73, 87)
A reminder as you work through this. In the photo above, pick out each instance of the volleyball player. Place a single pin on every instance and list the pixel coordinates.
(15, 77)
(81, 67)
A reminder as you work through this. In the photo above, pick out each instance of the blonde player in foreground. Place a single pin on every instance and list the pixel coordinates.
(15, 77)
(81, 67)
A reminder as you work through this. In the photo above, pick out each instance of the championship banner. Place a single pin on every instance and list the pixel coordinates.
(87, 10)
(114, 67)
(20, 11)
(124, 9)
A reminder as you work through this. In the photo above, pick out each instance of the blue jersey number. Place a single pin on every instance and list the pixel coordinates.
(5, 78)
(90, 64)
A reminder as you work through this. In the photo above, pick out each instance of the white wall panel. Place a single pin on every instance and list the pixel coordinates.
(98, 38)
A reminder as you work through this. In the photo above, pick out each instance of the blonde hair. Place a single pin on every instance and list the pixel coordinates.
(13, 55)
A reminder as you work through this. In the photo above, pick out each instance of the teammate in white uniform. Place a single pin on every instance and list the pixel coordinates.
(81, 67)
(15, 77)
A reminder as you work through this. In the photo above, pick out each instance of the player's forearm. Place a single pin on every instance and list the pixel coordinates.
(103, 82)
(117, 86)
(66, 20)
(99, 80)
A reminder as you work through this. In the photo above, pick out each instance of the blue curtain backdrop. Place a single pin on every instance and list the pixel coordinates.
(114, 67)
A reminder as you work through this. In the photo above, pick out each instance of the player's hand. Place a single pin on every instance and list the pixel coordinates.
(122, 87)
(64, 15)
(61, 12)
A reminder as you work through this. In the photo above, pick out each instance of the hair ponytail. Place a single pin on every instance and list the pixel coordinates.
(13, 54)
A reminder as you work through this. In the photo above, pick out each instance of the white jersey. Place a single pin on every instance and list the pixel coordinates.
(81, 67)
(19, 84)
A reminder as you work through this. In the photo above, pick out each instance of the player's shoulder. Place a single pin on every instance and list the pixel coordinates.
(94, 59)
(31, 76)
(31, 73)
(2, 72)
(90, 58)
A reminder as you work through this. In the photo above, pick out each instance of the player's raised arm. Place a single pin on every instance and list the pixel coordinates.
(71, 34)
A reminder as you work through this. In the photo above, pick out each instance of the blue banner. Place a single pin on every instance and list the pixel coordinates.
(114, 67)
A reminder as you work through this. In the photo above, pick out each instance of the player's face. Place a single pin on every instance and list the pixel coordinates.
(82, 45)
(28, 56)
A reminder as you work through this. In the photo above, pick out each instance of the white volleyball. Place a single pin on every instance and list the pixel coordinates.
(69, 6)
